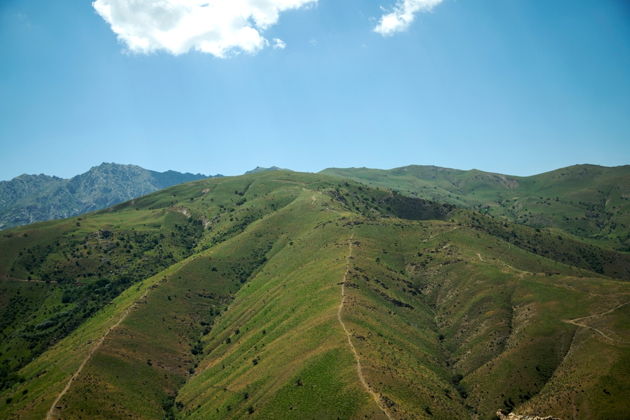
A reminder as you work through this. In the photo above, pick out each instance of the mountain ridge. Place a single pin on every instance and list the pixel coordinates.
(589, 201)
(33, 198)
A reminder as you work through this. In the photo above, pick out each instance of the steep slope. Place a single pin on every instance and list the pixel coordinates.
(36, 198)
(84, 262)
(303, 296)
(55, 275)
(440, 329)
(592, 202)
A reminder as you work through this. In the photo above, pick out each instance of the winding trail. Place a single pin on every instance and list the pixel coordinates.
(375, 396)
(435, 235)
(52, 415)
(577, 322)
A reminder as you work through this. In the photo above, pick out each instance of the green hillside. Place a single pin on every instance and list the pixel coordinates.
(591, 202)
(286, 295)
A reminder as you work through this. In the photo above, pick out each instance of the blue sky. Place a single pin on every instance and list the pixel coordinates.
(511, 86)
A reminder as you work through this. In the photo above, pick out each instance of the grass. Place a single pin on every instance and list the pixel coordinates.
(232, 310)
(588, 201)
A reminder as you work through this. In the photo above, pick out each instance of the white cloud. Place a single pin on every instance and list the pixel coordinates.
(217, 27)
(403, 15)
(279, 44)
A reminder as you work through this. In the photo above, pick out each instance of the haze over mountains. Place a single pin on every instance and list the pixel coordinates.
(280, 294)
(35, 198)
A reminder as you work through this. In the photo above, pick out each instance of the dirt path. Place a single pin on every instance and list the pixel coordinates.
(373, 394)
(577, 322)
(435, 235)
(521, 273)
(51, 415)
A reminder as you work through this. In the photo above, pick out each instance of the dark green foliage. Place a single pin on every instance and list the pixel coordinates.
(8, 377)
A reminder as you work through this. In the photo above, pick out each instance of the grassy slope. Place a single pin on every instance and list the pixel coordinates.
(418, 322)
(279, 350)
(157, 357)
(588, 201)
(80, 264)
(552, 244)
(450, 323)
(84, 262)
(446, 318)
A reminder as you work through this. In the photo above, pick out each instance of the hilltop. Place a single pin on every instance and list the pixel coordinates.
(258, 169)
(588, 201)
(289, 295)
(36, 198)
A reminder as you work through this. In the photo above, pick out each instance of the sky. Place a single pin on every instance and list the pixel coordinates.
(222, 86)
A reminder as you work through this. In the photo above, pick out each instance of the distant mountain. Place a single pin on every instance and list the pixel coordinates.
(258, 169)
(34, 198)
(589, 201)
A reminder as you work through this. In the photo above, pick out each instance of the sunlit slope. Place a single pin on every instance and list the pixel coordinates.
(57, 274)
(505, 321)
(124, 225)
(279, 351)
(303, 296)
(216, 211)
(446, 322)
(588, 201)
(142, 363)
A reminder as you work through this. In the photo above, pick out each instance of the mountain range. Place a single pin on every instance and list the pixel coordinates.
(414, 293)
(35, 198)
(589, 201)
